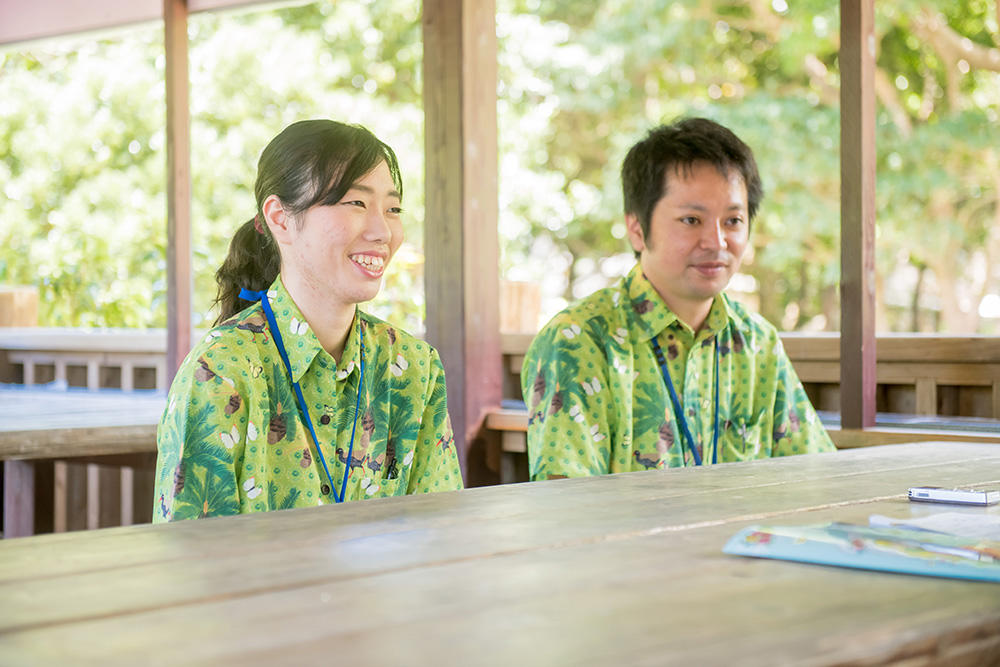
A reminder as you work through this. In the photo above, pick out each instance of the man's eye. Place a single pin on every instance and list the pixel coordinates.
(397, 210)
(354, 202)
(735, 222)
(689, 220)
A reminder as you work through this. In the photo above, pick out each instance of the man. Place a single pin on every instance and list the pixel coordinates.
(663, 369)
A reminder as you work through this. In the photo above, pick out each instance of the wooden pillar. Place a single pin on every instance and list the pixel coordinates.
(857, 213)
(18, 498)
(179, 278)
(461, 267)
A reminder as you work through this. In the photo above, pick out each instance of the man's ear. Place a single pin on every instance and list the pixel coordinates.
(278, 220)
(634, 230)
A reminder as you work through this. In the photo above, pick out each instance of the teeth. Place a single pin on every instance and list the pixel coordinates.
(369, 261)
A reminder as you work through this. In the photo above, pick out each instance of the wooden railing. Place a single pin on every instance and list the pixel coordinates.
(125, 359)
(99, 491)
(929, 388)
(945, 376)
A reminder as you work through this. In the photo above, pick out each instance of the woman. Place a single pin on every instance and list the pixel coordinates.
(296, 398)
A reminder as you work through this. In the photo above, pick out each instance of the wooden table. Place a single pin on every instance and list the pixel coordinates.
(42, 425)
(623, 569)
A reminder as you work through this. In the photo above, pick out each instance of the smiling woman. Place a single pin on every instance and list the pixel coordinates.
(296, 397)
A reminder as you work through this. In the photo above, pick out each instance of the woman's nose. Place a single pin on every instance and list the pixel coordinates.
(377, 228)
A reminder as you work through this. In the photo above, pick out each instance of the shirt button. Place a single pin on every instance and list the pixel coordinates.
(704, 404)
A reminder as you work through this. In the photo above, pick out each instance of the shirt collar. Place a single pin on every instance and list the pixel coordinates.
(301, 343)
(649, 315)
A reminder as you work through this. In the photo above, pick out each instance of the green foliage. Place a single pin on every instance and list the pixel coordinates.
(579, 86)
(82, 146)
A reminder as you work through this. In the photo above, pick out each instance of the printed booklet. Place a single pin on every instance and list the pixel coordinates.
(970, 551)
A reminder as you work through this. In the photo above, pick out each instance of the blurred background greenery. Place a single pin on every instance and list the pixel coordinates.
(82, 156)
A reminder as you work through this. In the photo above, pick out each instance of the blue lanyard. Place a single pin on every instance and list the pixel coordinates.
(261, 296)
(679, 413)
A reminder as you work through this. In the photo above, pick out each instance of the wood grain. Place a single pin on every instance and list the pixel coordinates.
(179, 266)
(18, 498)
(48, 18)
(75, 428)
(623, 568)
(39, 424)
(461, 246)
(857, 213)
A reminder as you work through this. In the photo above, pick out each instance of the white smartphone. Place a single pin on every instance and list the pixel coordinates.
(937, 494)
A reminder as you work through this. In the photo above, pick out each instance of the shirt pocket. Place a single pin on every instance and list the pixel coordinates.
(743, 440)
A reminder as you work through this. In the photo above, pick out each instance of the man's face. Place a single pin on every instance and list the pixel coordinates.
(697, 234)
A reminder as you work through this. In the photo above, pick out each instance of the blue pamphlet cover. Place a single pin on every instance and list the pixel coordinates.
(873, 548)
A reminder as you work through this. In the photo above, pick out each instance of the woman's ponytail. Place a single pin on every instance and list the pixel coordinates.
(253, 262)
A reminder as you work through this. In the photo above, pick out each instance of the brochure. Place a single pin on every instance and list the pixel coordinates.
(876, 547)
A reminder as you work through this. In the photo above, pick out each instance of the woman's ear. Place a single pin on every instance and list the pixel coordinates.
(634, 231)
(278, 220)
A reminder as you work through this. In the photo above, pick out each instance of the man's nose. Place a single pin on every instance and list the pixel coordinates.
(713, 235)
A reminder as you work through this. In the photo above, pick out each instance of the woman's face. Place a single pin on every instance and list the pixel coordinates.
(340, 252)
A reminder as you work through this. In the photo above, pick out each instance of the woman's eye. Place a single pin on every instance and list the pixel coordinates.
(396, 210)
(354, 202)
(689, 220)
(735, 222)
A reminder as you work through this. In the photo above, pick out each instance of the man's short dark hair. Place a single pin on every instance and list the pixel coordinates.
(678, 147)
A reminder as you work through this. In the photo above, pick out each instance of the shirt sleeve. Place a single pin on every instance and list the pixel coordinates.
(435, 461)
(200, 435)
(796, 427)
(565, 388)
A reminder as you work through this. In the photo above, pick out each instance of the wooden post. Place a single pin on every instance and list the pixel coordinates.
(857, 213)
(18, 306)
(179, 278)
(462, 282)
(18, 498)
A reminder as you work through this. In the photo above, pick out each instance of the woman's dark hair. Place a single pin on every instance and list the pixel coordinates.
(679, 146)
(310, 163)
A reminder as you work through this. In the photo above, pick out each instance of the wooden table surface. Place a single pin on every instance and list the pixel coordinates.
(623, 569)
(41, 423)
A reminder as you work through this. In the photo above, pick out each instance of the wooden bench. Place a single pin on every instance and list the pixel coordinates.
(76, 459)
(950, 383)
(80, 466)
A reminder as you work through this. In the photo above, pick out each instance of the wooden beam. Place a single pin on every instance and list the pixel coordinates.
(461, 247)
(179, 281)
(40, 19)
(857, 213)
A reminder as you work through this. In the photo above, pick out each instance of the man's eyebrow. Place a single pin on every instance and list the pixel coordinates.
(370, 190)
(700, 207)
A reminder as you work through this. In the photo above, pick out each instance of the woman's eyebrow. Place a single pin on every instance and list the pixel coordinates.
(370, 190)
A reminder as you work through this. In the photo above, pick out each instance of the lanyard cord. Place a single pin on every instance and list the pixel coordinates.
(261, 296)
(678, 412)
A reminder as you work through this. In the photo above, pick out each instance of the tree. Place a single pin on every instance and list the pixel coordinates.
(82, 208)
(582, 80)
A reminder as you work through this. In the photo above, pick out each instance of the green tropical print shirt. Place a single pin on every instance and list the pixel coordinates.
(231, 439)
(597, 402)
